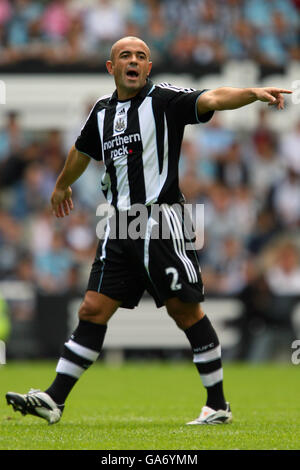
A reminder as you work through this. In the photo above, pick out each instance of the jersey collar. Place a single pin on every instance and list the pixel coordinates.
(141, 94)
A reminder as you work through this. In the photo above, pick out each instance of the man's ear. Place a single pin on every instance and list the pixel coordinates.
(109, 66)
(149, 69)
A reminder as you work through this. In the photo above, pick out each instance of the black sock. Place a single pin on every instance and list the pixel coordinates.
(79, 353)
(207, 358)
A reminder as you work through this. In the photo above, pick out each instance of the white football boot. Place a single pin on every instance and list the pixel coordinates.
(210, 416)
(35, 403)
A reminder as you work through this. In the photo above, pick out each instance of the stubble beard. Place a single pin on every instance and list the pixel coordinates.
(127, 88)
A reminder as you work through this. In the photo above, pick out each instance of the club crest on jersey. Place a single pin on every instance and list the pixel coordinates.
(120, 125)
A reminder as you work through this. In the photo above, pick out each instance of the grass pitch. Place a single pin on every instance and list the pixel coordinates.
(146, 405)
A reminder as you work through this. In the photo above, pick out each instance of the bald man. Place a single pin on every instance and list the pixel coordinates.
(137, 132)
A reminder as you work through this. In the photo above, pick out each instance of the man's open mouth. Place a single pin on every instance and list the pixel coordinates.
(132, 73)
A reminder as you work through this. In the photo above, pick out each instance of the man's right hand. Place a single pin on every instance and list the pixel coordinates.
(61, 202)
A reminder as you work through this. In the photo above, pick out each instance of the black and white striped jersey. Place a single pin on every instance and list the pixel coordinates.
(139, 141)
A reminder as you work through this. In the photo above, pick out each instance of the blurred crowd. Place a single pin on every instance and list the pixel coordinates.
(66, 32)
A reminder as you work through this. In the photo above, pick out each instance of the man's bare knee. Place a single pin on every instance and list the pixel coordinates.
(97, 308)
(88, 311)
(184, 315)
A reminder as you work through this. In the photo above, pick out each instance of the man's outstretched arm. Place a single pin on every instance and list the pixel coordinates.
(61, 199)
(224, 98)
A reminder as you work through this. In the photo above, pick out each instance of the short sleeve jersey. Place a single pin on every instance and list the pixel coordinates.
(139, 141)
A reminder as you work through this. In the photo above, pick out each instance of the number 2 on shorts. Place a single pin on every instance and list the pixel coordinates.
(174, 284)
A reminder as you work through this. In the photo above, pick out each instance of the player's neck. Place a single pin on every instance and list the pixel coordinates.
(125, 94)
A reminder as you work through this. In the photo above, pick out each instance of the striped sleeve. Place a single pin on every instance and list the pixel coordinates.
(182, 102)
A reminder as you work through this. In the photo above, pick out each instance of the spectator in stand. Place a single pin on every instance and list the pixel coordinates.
(210, 33)
(240, 41)
(263, 132)
(52, 158)
(212, 28)
(263, 232)
(191, 187)
(80, 237)
(257, 316)
(297, 5)
(288, 9)
(86, 188)
(140, 14)
(285, 199)
(5, 53)
(75, 282)
(37, 46)
(25, 12)
(73, 48)
(11, 136)
(289, 147)
(56, 20)
(17, 31)
(11, 243)
(53, 154)
(183, 48)
(31, 192)
(244, 211)
(219, 219)
(265, 168)
(182, 17)
(229, 264)
(5, 12)
(25, 269)
(39, 231)
(159, 37)
(231, 11)
(231, 169)
(275, 41)
(53, 266)
(103, 24)
(285, 29)
(13, 168)
(214, 139)
(258, 13)
(188, 157)
(283, 277)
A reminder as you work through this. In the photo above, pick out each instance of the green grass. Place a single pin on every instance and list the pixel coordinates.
(146, 405)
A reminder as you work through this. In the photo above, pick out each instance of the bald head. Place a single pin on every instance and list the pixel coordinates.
(123, 42)
(130, 66)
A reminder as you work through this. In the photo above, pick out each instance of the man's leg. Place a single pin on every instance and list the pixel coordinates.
(190, 318)
(84, 345)
(79, 353)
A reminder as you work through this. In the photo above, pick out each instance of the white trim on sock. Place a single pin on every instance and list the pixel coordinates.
(69, 368)
(208, 356)
(213, 378)
(82, 351)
